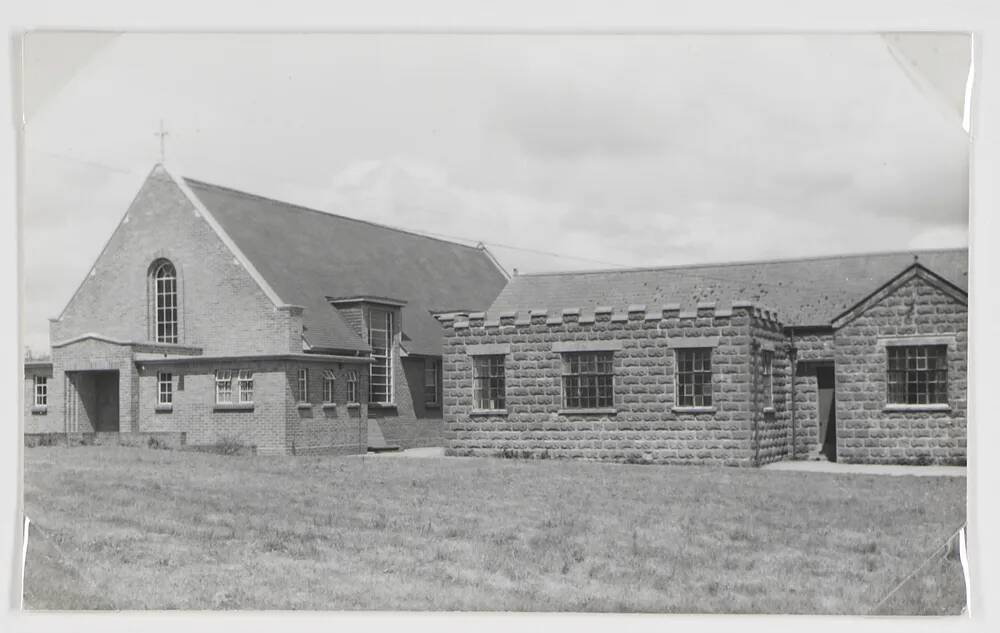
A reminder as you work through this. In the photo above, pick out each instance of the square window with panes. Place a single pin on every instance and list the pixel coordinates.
(694, 377)
(588, 380)
(41, 391)
(489, 382)
(164, 389)
(917, 374)
(224, 386)
(245, 386)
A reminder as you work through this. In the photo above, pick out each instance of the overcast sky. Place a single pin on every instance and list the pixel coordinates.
(608, 150)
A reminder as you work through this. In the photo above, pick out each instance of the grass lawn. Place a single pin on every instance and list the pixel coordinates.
(129, 528)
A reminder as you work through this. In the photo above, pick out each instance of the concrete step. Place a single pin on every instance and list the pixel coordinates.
(376, 441)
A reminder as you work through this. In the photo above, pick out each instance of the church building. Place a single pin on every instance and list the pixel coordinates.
(859, 358)
(229, 317)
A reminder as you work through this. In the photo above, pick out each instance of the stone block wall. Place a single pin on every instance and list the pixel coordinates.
(771, 421)
(645, 424)
(812, 348)
(869, 430)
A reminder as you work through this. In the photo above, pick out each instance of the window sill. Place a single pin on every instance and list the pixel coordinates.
(37, 410)
(246, 406)
(912, 408)
(693, 409)
(488, 412)
(768, 409)
(330, 405)
(385, 406)
(304, 405)
(164, 408)
(353, 405)
(600, 411)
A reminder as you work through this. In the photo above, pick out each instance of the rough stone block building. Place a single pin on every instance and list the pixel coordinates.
(231, 317)
(857, 358)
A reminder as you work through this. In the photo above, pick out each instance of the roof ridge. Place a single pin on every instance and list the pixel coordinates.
(298, 207)
(745, 262)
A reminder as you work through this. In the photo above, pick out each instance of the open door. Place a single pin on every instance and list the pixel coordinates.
(825, 384)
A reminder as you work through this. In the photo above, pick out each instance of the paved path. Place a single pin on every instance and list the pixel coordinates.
(868, 469)
(431, 451)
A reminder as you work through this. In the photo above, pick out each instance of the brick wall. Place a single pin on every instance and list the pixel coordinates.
(316, 427)
(38, 420)
(866, 430)
(645, 425)
(194, 410)
(222, 309)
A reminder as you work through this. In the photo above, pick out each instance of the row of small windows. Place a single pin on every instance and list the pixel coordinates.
(914, 375)
(588, 380)
(236, 387)
(329, 386)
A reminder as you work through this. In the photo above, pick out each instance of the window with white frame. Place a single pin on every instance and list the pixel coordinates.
(767, 369)
(432, 381)
(380, 339)
(588, 380)
(489, 382)
(41, 391)
(223, 386)
(694, 377)
(245, 386)
(917, 374)
(303, 385)
(165, 310)
(164, 389)
(329, 383)
(352, 386)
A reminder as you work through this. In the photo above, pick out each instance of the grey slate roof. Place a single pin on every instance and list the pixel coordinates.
(308, 255)
(803, 291)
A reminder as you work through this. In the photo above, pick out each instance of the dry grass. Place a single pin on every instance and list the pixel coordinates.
(138, 529)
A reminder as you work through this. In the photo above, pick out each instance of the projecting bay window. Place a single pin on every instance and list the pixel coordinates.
(432, 382)
(694, 377)
(489, 383)
(380, 339)
(588, 380)
(917, 375)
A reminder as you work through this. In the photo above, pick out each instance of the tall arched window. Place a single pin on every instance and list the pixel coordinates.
(165, 289)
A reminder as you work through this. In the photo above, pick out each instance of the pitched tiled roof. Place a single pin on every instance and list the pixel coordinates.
(307, 255)
(803, 291)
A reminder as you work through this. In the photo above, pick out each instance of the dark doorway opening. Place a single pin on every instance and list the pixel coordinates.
(825, 384)
(98, 393)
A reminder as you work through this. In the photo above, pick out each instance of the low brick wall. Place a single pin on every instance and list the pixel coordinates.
(169, 440)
